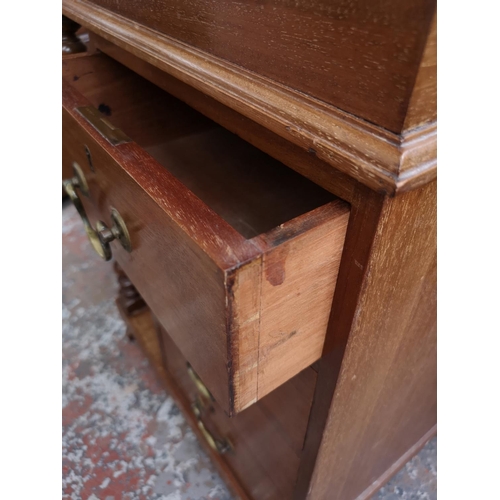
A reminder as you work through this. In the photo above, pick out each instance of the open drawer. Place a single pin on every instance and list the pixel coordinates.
(235, 254)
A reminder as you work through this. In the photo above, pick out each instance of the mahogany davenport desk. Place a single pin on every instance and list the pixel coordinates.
(264, 175)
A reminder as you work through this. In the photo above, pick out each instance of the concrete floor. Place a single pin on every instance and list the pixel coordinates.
(123, 436)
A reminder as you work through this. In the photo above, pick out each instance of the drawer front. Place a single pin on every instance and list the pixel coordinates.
(248, 313)
(265, 440)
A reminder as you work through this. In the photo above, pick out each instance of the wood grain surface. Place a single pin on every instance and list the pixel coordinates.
(359, 55)
(422, 107)
(207, 282)
(289, 293)
(267, 438)
(375, 400)
(145, 330)
(368, 152)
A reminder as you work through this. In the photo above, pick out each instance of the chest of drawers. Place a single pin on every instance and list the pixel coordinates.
(264, 175)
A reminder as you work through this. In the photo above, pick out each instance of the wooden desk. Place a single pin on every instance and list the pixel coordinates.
(273, 168)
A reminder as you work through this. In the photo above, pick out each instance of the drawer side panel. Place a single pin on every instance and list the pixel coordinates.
(298, 282)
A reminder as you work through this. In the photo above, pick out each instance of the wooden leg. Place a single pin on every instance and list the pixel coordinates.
(129, 301)
(141, 325)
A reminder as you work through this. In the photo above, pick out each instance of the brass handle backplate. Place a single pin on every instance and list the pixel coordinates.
(218, 445)
(101, 237)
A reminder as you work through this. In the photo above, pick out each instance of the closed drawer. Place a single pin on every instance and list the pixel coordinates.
(235, 254)
(262, 446)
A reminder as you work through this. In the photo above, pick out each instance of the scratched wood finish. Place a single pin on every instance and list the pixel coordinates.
(208, 283)
(267, 438)
(360, 55)
(382, 159)
(375, 401)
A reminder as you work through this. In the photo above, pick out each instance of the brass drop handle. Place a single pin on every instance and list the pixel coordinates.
(202, 388)
(101, 237)
(220, 446)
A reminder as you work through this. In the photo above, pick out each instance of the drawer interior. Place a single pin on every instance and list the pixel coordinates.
(236, 254)
(249, 189)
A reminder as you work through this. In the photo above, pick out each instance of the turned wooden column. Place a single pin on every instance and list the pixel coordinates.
(129, 299)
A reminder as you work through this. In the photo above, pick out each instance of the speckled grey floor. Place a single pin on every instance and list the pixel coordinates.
(123, 436)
